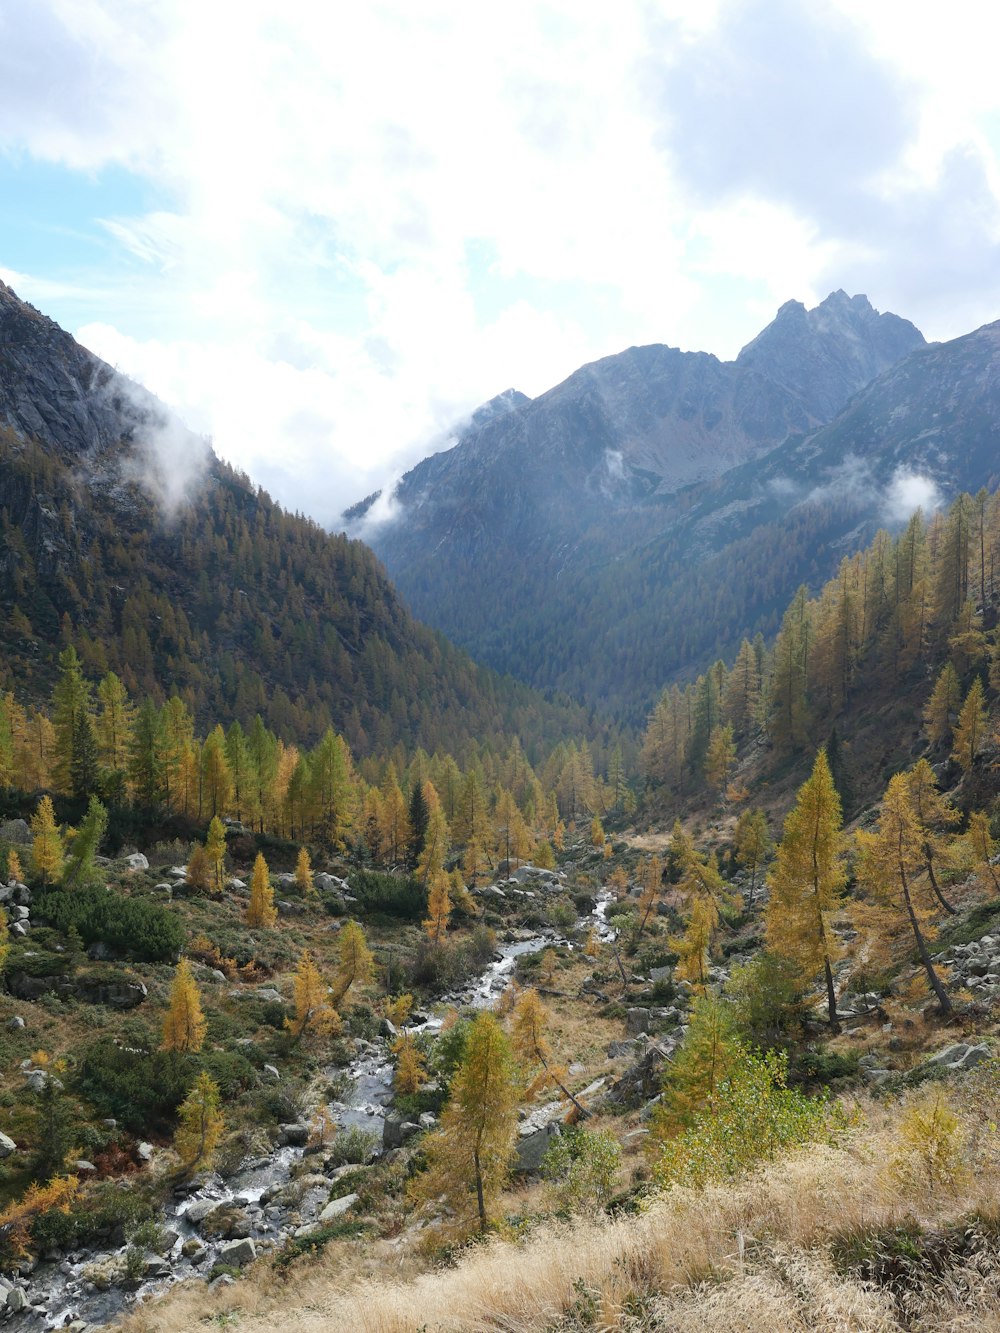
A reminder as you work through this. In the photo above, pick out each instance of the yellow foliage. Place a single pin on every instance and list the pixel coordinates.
(409, 1076)
(47, 846)
(303, 875)
(200, 1123)
(438, 908)
(16, 1218)
(14, 870)
(397, 1011)
(261, 911)
(184, 1026)
(356, 963)
(313, 1010)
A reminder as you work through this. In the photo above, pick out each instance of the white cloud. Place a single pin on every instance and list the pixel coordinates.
(909, 491)
(369, 219)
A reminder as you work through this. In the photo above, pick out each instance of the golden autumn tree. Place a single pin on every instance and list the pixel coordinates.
(529, 1039)
(199, 1123)
(807, 881)
(14, 870)
(753, 845)
(719, 757)
(970, 730)
(695, 945)
(409, 1076)
(314, 1012)
(651, 879)
(215, 850)
(469, 1155)
(695, 1076)
(438, 908)
(941, 709)
(355, 963)
(983, 845)
(261, 912)
(935, 814)
(303, 875)
(891, 858)
(200, 869)
(184, 1025)
(47, 845)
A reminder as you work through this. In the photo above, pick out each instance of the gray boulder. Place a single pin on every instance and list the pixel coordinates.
(7, 1146)
(396, 1130)
(238, 1254)
(137, 861)
(637, 1021)
(294, 1136)
(533, 1147)
(337, 1207)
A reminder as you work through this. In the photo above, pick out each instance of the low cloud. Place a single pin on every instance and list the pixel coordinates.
(907, 492)
(167, 460)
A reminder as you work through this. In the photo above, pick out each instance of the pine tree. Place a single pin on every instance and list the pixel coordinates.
(720, 757)
(469, 1155)
(147, 767)
(418, 817)
(435, 841)
(184, 1026)
(261, 912)
(970, 733)
(47, 846)
(356, 964)
(70, 701)
(216, 776)
(694, 947)
(314, 1011)
(890, 859)
(200, 1123)
(807, 881)
(80, 865)
(788, 707)
(941, 711)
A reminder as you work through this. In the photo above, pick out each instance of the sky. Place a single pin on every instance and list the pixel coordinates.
(325, 233)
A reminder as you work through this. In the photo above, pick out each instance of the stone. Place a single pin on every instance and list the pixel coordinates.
(223, 1280)
(293, 1136)
(196, 1212)
(396, 1130)
(155, 1266)
(268, 993)
(637, 1021)
(616, 1049)
(84, 1168)
(660, 974)
(271, 1072)
(137, 861)
(238, 1254)
(337, 1207)
(533, 1147)
(7, 1146)
(16, 831)
(18, 913)
(144, 1152)
(17, 1300)
(427, 1120)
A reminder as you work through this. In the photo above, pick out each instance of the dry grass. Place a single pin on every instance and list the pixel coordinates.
(746, 1258)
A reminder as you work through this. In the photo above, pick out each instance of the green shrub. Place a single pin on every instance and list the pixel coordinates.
(131, 927)
(141, 1089)
(352, 1147)
(388, 895)
(317, 1240)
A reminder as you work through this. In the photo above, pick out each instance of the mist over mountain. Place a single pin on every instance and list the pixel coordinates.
(527, 542)
(122, 534)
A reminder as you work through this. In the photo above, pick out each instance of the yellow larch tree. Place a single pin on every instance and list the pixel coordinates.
(941, 709)
(14, 869)
(314, 1011)
(890, 861)
(651, 878)
(355, 962)
(469, 1155)
(529, 1039)
(215, 850)
(200, 1123)
(304, 876)
(807, 882)
(47, 845)
(261, 912)
(438, 908)
(695, 945)
(983, 846)
(184, 1025)
(409, 1076)
(970, 730)
(935, 814)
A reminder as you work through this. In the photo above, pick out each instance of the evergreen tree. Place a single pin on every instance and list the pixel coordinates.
(80, 866)
(84, 767)
(261, 912)
(70, 701)
(807, 881)
(184, 1026)
(147, 759)
(418, 819)
(115, 719)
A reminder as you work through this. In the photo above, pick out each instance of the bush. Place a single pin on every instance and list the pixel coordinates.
(352, 1147)
(108, 1210)
(389, 895)
(140, 1089)
(581, 1167)
(133, 928)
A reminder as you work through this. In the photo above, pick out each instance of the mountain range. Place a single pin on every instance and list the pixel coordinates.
(122, 534)
(637, 520)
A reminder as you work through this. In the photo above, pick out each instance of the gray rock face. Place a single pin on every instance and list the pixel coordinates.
(7, 1145)
(137, 861)
(295, 1135)
(396, 1130)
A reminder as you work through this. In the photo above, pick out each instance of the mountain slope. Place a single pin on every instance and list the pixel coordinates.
(122, 533)
(502, 540)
